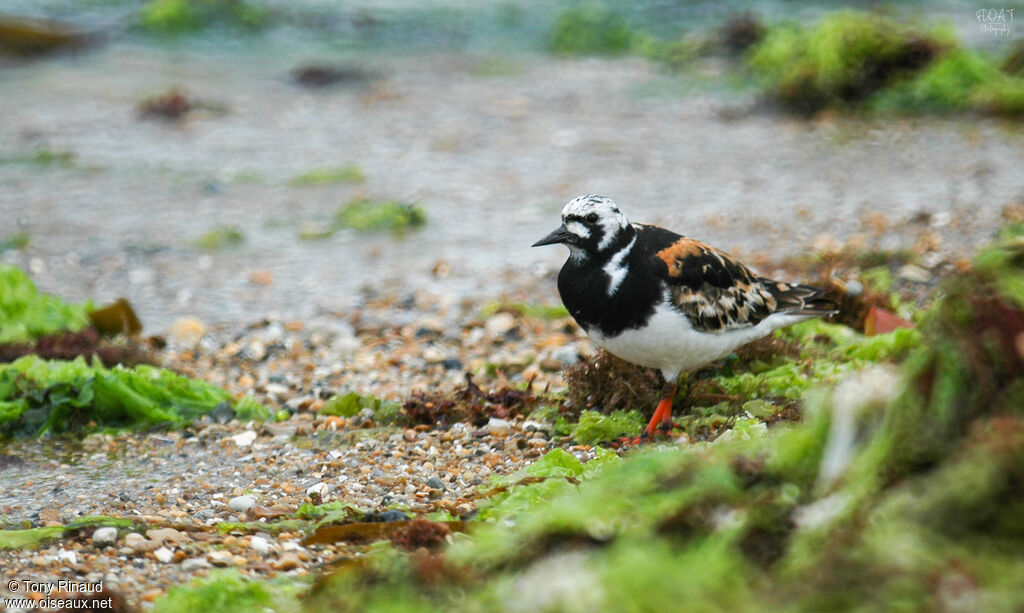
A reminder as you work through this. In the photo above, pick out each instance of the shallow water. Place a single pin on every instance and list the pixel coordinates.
(489, 143)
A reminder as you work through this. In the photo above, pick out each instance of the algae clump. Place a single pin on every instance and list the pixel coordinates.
(39, 396)
(367, 215)
(27, 314)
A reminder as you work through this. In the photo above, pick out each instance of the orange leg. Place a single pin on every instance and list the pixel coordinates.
(662, 417)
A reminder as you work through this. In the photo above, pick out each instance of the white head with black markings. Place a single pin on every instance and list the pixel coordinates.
(592, 226)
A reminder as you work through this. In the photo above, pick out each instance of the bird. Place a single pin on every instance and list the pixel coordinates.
(662, 300)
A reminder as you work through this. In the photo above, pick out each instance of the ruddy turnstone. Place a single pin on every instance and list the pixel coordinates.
(661, 300)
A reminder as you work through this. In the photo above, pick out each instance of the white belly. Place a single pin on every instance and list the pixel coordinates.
(668, 341)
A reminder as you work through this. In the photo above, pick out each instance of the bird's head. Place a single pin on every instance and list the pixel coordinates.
(591, 226)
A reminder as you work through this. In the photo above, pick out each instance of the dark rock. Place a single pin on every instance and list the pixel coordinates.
(318, 75)
(386, 516)
(435, 483)
(222, 413)
(452, 364)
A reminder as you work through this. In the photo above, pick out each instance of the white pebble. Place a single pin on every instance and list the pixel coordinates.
(320, 489)
(163, 555)
(260, 545)
(499, 324)
(498, 427)
(244, 439)
(104, 536)
(240, 504)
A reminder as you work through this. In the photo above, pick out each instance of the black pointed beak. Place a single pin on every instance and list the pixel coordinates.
(560, 235)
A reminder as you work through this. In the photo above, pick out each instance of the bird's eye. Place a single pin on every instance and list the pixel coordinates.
(592, 218)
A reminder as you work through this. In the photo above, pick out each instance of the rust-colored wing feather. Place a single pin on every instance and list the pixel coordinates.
(718, 293)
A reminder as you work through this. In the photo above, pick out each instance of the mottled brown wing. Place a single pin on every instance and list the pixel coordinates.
(718, 293)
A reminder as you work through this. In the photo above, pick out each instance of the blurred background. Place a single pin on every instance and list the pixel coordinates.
(231, 159)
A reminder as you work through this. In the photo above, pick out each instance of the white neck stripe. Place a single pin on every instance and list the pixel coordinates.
(615, 270)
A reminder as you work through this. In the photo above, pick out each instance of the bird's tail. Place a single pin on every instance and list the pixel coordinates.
(803, 300)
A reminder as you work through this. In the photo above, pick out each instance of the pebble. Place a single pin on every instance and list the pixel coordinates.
(67, 556)
(163, 555)
(287, 561)
(260, 545)
(435, 483)
(500, 324)
(499, 427)
(187, 331)
(240, 504)
(244, 439)
(914, 274)
(222, 413)
(166, 534)
(194, 564)
(104, 536)
(220, 558)
(138, 543)
(319, 490)
(567, 355)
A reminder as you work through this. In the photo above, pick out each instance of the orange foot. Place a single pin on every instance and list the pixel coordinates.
(662, 418)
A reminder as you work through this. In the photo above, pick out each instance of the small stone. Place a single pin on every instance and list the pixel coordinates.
(50, 515)
(451, 364)
(567, 355)
(279, 391)
(164, 555)
(194, 564)
(391, 515)
(104, 536)
(319, 490)
(221, 558)
(39, 561)
(435, 483)
(287, 561)
(499, 324)
(222, 413)
(244, 439)
(498, 427)
(139, 543)
(187, 330)
(152, 595)
(241, 504)
(67, 556)
(915, 274)
(261, 277)
(281, 429)
(260, 545)
(161, 535)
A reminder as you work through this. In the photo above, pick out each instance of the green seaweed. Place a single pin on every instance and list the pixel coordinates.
(39, 396)
(219, 238)
(175, 17)
(854, 59)
(594, 427)
(350, 404)
(17, 241)
(27, 314)
(843, 59)
(961, 80)
(366, 215)
(31, 537)
(328, 175)
(226, 591)
(525, 309)
(591, 30)
(43, 158)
